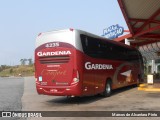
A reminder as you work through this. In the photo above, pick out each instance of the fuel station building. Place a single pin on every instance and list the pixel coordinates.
(143, 20)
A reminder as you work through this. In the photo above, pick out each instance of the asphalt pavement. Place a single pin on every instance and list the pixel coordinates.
(124, 99)
(19, 94)
(11, 91)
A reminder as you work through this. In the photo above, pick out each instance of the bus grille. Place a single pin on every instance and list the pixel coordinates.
(54, 59)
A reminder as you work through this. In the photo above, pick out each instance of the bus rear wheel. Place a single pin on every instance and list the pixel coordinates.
(108, 89)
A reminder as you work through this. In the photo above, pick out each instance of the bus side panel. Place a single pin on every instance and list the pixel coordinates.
(86, 78)
(94, 76)
(93, 79)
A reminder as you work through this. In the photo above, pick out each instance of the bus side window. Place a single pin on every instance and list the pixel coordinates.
(90, 45)
(86, 41)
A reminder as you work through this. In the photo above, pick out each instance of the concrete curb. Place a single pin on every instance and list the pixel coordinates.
(150, 88)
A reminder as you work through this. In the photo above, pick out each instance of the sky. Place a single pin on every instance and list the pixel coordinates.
(22, 20)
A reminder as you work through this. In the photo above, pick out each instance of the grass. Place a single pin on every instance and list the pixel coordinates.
(22, 70)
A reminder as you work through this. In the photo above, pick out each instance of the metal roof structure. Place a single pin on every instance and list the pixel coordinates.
(143, 20)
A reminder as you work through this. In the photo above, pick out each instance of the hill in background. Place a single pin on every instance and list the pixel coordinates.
(20, 70)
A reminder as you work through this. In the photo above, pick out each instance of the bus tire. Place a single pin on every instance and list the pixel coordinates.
(139, 81)
(108, 89)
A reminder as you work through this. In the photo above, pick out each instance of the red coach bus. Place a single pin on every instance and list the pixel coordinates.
(77, 63)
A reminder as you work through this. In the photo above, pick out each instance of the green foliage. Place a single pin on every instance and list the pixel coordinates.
(3, 67)
(11, 70)
(22, 70)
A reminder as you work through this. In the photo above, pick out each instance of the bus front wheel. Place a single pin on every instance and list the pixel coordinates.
(108, 89)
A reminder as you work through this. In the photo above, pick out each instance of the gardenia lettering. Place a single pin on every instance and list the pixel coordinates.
(90, 66)
(53, 53)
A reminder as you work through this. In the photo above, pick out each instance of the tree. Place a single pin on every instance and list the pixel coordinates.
(3, 67)
(23, 61)
(30, 62)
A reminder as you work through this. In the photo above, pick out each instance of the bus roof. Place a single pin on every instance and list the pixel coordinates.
(89, 34)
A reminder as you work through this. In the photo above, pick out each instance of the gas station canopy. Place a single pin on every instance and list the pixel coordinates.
(143, 20)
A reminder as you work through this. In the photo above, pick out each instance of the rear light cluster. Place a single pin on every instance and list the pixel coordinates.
(75, 77)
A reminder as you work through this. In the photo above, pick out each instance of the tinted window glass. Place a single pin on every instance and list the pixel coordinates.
(99, 48)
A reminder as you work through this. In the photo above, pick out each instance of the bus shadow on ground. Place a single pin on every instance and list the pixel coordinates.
(75, 100)
(123, 89)
(87, 99)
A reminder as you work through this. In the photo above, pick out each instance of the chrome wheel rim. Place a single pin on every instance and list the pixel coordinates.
(108, 88)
